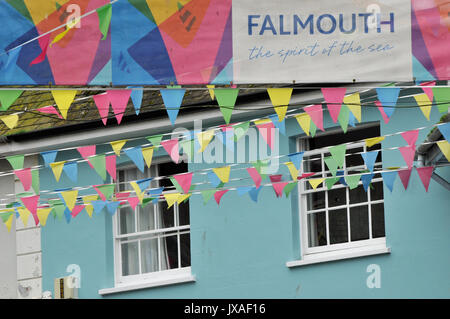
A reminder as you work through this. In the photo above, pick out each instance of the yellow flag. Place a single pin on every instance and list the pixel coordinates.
(204, 138)
(138, 191)
(316, 182)
(211, 91)
(445, 148)
(57, 168)
(183, 197)
(64, 99)
(70, 24)
(10, 120)
(304, 120)
(172, 198)
(263, 121)
(70, 197)
(42, 214)
(373, 140)
(24, 215)
(147, 153)
(353, 102)
(280, 98)
(87, 201)
(8, 223)
(223, 173)
(292, 169)
(424, 103)
(117, 146)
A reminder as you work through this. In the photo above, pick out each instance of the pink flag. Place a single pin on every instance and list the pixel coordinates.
(119, 101)
(25, 177)
(184, 180)
(410, 136)
(408, 153)
(31, 203)
(218, 195)
(49, 110)
(87, 151)
(425, 175)
(305, 175)
(275, 178)
(102, 197)
(43, 43)
(334, 98)
(121, 196)
(133, 201)
(76, 210)
(255, 176)
(278, 188)
(428, 91)
(381, 109)
(267, 131)
(102, 103)
(110, 162)
(171, 147)
(316, 114)
(404, 175)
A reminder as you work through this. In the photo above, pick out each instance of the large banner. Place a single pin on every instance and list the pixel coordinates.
(163, 42)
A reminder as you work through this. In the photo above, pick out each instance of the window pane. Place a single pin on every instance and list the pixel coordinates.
(130, 259)
(358, 195)
(169, 252)
(146, 217)
(354, 160)
(166, 215)
(338, 226)
(376, 191)
(337, 197)
(126, 220)
(183, 212)
(378, 220)
(317, 231)
(185, 246)
(315, 200)
(359, 223)
(149, 255)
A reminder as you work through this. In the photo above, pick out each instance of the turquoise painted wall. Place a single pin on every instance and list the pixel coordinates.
(240, 249)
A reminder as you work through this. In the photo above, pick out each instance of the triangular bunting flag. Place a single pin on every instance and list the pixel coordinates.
(331, 164)
(304, 120)
(425, 174)
(267, 131)
(171, 198)
(334, 98)
(87, 151)
(404, 175)
(280, 98)
(424, 104)
(211, 91)
(442, 98)
(289, 187)
(292, 170)
(31, 203)
(366, 179)
(343, 117)
(256, 177)
(16, 161)
(408, 153)
(172, 99)
(136, 96)
(353, 102)
(329, 182)
(98, 205)
(410, 136)
(24, 176)
(119, 101)
(135, 154)
(253, 193)
(207, 194)
(281, 126)
(316, 114)
(110, 163)
(369, 159)
(147, 153)
(64, 99)
(315, 182)
(296, 159)
(226, 98)
(8, 97)
(171, 147)
(76, 210)
(240, 130)
(219, 194)
(278, 188)
(49, 157)
(382, 112)
(133, 201)
(35, 180)
(10, 120)
(70, 198)
(102, 103)
(445, 130)
(49, 110)
(112, 207)
(373, 140)
(338, 153)
(388, 97)
(104, 19)
(184, 180)
(352, 180)
(57, 168)
(445, 148)
(389, 179)
(71, 170)
(223, 173)
(204, 138)
(99, 164)
(105, 191)
(43, 43)
(155, 139)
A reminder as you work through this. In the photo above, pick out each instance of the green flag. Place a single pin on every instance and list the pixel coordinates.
(352, 180)
(338, 153)
(329, 182)
(331, 164)
(343, 117)
(226, 99)
(8, 97)
(104, 19)
(99, 164)
(107, 190)
(289, 187)
(155, 139)
(35, 180)
(240, 130)
(207, 195)
(16, 161)
(442, 98)
(188, 147)
(312, 129)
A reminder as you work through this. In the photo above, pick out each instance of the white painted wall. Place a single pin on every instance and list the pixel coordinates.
(8, 264)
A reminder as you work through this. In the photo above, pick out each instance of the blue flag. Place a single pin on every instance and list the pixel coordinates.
(389, 179)
(49, 157)
(135, 154)
(254, 193)
(71, 170)
(144, 183)
(136, 97)
(68, 215)
(172, 99)
(281, 126)
(388, 97)
(112, 206)
(296, 159)
(366, 179)
(351, 120)
(445, 130)
(243, 190)
(213, 179)
(98, 206)
(369, 159)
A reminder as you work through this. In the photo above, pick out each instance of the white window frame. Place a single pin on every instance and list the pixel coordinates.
(333, 251)
(157, 278)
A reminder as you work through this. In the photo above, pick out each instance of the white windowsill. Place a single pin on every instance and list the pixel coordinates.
(340, 255)
(147, 284)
